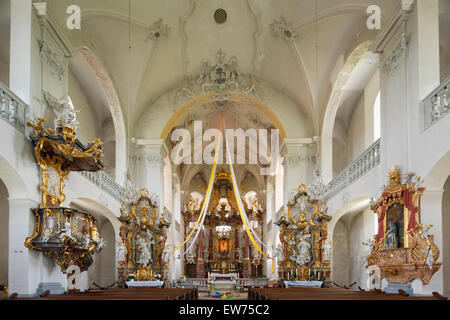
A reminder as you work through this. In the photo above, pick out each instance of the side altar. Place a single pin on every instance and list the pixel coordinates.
(403, 249)
(304, 253)
(142, 252)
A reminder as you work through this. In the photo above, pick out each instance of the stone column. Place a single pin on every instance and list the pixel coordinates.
(200, 263)
(247, 265)
(150, 167)
(428, 46)
(270, 228)
(297, 164)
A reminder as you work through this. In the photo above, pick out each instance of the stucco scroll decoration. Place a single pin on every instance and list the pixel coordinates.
(391, 63)
(57, 67)
(219, 78)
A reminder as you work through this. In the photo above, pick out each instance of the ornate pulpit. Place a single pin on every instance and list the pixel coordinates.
(67, 235)
(403, 249)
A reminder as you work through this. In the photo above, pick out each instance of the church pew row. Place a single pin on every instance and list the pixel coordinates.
(330, 294)
(120, 294)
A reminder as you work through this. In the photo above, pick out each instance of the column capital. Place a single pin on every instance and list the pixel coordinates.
(153, 151)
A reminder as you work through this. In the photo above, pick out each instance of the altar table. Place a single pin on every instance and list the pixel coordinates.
(148, 284)
(222, 286)
(303, 284)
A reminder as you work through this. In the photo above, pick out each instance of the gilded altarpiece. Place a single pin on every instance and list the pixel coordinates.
(403, 249)
(303, 254)
(223, 246)
(144, 234)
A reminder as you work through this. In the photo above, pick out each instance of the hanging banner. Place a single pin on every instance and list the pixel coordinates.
(242, 213)
(201, 217)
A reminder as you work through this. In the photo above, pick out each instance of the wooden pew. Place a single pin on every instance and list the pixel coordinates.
(327, 294)
(121, 294)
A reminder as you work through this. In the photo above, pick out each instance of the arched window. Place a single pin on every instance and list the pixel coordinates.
(377, 119)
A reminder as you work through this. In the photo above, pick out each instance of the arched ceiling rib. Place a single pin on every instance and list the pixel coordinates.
(152, 68)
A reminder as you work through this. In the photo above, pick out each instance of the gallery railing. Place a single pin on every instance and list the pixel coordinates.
(104, 182)
(12, 108)
(359, 167)
(436, 104)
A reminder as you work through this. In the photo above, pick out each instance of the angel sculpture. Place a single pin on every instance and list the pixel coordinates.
(279, 253)
(63, 108)
(122, 252)
(240, 255)
(67, 231)
(165, 255)
(303, 248)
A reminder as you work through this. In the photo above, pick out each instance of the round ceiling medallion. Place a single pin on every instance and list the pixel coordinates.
(220, 16)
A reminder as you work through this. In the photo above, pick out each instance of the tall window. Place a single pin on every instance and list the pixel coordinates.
(377, 119)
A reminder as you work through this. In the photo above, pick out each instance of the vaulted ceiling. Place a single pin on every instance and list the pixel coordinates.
(152, 67)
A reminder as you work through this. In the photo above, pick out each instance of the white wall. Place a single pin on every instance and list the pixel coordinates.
(5, 43)
(4, 233)
(103, 269)
(88, 125)
(445, 250)
(356, 132)
(444, 38)
(341, 254)
(349, 253)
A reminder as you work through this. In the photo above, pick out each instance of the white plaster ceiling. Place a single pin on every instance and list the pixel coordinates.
(150, 68)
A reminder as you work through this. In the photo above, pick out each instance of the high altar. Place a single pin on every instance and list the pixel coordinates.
(223, 246)
(403, 249)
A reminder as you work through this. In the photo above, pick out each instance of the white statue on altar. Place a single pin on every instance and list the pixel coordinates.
(279, 252)
(303, 248)
(122, 252)
(144, 255)
(165, 255)
(240, 255)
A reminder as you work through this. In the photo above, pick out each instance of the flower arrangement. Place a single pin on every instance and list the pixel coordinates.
(158, 277)
(131, 277)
